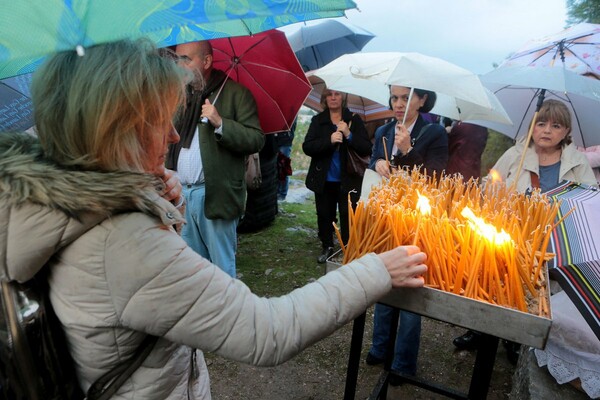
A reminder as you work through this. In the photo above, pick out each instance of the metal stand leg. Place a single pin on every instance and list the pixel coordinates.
(381, 388)
(480, 380)
(484, 366)
(358, 329)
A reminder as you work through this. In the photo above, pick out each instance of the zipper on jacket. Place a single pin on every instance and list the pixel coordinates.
(194, 373)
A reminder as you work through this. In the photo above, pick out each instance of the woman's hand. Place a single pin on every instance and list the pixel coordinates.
(337, 137)
(382, 167)
(343, 127)
(405, 265)
(402, 138)
(173, 187)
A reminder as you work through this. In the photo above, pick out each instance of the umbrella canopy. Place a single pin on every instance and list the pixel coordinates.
(15, 104)
(466, 111)
(365, 75)
(576, 243)
(30, 30)
(318, 44)
(420, 71)
(265, 64)
(371, 107)
(576, 48)
(518, 89)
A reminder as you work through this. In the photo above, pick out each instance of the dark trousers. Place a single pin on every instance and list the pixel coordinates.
(328, 203)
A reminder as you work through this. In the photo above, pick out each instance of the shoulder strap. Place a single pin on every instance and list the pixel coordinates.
(535, 180)
(421, 132)
(108, 384)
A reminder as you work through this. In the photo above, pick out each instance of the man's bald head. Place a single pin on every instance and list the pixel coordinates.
(198, 58)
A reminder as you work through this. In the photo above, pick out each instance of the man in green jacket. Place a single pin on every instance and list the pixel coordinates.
(219, 128)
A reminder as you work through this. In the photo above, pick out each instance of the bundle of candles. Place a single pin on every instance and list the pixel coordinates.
(486, 243)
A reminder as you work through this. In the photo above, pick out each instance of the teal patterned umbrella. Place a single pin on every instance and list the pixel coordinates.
(32, 29)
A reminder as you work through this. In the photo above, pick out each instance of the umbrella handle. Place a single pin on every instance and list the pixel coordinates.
(529, 135)
(410, 95)
(541, 98)
(204, 120)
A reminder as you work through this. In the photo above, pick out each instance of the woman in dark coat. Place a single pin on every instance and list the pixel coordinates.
(329, 136)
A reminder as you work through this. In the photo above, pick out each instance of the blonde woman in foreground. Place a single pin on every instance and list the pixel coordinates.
(91, 199)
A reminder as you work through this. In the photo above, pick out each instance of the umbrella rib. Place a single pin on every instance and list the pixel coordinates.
(271, 67)
(241, 56)
(578, 57)
(287, 72)
(576, 119)
(548, 51)
(508, 87)
(258, 85)
(246, 26)
(233, 51)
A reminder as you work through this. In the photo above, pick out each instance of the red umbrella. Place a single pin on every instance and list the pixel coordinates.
(265, 64)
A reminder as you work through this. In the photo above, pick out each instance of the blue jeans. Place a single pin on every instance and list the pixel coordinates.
(408, 338)
(282, 188)
(213, 239)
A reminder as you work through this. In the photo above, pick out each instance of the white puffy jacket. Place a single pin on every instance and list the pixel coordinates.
(120, 272)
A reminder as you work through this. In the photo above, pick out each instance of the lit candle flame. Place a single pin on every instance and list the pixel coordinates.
(486, 230)
(423, 204)
(495, 175)
(425, 209)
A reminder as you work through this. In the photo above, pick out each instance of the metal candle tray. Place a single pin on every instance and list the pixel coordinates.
(502, 322)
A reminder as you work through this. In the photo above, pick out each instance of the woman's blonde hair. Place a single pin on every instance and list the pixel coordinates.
(105, 110)
(556, 111)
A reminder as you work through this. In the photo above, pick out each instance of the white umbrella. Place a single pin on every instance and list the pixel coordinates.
(467, 111)
(518, 89)
(365, 75)
(417, 70)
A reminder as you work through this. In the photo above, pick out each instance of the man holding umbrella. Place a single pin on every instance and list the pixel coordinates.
(219, 128)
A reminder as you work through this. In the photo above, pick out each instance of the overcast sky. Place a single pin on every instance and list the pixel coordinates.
(474, 34)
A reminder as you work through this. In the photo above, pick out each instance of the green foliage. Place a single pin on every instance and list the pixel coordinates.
(583, 11)
(496, 145)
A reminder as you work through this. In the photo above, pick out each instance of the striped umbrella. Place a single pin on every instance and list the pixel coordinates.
(576, 243)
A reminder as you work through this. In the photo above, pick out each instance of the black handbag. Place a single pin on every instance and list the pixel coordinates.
(35, 360)
(355, 163)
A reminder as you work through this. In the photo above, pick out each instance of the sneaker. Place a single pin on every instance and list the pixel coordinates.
(468, 341)
(372, 360)
(327, 252)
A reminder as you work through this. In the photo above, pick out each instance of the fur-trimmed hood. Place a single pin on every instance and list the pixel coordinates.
(44, 206)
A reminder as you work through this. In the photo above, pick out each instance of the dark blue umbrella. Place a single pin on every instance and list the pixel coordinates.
(316, 45)
(15, 104)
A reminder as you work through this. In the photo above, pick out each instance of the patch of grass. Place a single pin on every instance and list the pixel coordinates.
(282, 256)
